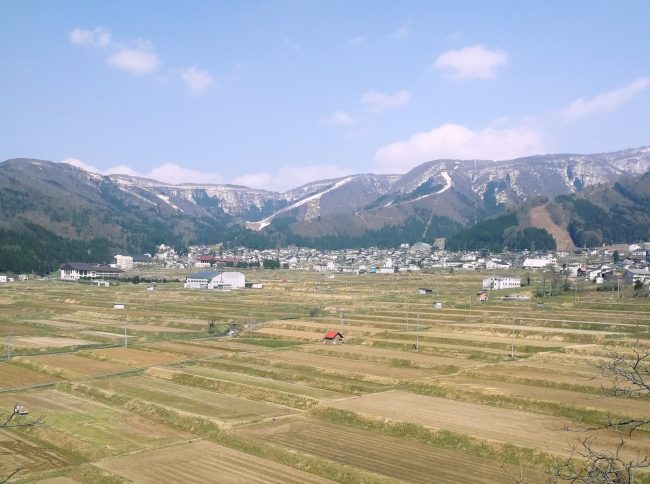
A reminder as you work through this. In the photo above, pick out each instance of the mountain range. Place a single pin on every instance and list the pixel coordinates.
(41, 200)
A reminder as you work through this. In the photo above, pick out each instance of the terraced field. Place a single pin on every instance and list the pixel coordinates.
(526, 429)
(202, 462)
(389, 456)
(219, 407)
(417, 394)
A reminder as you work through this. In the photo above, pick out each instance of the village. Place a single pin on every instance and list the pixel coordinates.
(607, 266)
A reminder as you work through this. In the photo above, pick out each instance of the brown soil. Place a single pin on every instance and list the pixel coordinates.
(12, 376)
(202, 462)
(382, 454)
(540, 218)
(503, 425)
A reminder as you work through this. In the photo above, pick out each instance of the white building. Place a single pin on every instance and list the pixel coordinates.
(538, 263)
(215, 280)
(124, 262)
(73, 271)
(501, 282)
(3, 279)
(496, 264)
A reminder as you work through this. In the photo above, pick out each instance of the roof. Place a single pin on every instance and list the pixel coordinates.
(206, 258)
(639, 272)
(84, 266)
(333, 334)
(204, 275)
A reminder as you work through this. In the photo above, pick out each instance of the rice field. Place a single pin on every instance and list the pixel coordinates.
(415, 394)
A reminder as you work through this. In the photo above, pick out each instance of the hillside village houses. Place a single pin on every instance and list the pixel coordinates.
(224, 281)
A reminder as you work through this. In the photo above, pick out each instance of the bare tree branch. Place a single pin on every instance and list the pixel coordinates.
(13, 473)
(630, 371)
(15, 420)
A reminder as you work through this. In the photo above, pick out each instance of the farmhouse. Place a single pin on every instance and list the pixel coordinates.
(3, 279)
(501, 282)
(482, 296)
(423, 291)
(333, 337)
(73, 271)
(224, 281)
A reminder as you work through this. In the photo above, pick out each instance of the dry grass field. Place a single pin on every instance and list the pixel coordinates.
(202, 462)
(416, 394)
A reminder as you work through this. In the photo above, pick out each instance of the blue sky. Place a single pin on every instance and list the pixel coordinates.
(273, 94)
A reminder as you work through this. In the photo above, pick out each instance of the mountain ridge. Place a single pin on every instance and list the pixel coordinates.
(434, 199)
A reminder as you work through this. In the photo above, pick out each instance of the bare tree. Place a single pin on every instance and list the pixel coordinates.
(15, 420)
(630, 372)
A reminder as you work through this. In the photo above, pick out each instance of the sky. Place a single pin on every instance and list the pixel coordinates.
(274, 94)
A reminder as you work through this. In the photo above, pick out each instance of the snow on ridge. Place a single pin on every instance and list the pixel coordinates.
(448, 184)
(136, 195)
(265, 222)
(166, 200)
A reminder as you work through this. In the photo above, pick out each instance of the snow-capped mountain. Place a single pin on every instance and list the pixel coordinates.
(71, 202)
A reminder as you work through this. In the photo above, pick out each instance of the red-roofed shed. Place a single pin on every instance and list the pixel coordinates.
(333, 337)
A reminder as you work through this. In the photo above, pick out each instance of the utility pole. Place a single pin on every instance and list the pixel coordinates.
(417, 335)
(470, 307)
(10, 338)
(250, 324)
(407, 312)
(512, 347)
(126, 344)
(341, 321)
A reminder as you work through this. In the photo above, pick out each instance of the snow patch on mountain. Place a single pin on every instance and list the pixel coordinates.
(267, 221)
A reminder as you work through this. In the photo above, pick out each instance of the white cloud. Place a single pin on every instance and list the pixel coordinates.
(139, 60)
(167, 172)
(290, 176)
(255, 180)
(80, 164)
(458, 142)
(339, 118)
(172, 173)
(378, 101)
(357, 40)
(98, 37)
(197, 80)
(401, 32)
(121, 170)
(287, 177)
(604, 102)
(471, 62)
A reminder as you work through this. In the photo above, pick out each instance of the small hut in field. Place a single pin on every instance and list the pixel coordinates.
(333, 337)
